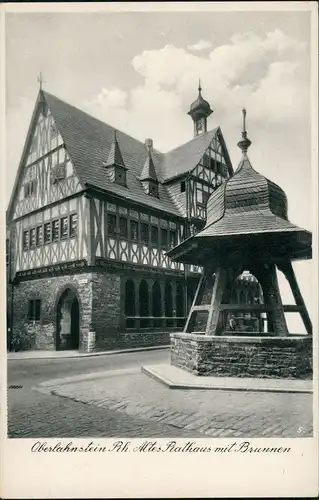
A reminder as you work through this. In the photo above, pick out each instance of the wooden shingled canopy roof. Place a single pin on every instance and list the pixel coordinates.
(247, 217)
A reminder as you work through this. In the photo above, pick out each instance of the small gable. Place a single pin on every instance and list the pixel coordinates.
(115, 167)
(45, 136)
(216, 161)
(148, 176)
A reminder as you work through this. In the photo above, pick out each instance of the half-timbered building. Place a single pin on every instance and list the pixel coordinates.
(92, 214)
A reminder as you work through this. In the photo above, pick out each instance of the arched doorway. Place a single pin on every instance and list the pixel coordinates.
(68, 321)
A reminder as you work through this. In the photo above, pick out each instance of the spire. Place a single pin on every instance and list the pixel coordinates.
(199, 112)
(115, 155)
(245, 142)
(148, 172)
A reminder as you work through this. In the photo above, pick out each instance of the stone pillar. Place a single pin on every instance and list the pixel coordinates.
(289, 273)
(188, 324)
(214, 316)
(276, 320)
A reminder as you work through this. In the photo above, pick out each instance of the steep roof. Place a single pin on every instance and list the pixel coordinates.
(91, 145)
(89, 141)
(185, 157)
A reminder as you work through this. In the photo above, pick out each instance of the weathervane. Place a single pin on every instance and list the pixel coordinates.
(245, 142)
(199, 86)
(40, 80)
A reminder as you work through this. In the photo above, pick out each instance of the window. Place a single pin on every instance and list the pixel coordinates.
(30, 188)
(183, 187)
(34, 310)
(55, 230)
(199, 196)
(33, 186)
(173, 238)
(111, 224)
(32, 237)
(47, 232)
(153, 189)
(25, 240)
(26, 189)
(134, 230)
(64, 227)
(39, 236)
(120, 176)
(123, 227)
(58, 172)
(144, 233)
(73, 225)
(154, 235)
(164, 238)
(202, 194)
(54, 130)
(208, 161)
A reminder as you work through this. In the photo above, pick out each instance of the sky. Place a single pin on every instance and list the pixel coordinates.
(139, 72)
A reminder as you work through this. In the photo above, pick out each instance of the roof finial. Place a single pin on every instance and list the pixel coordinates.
(244, 132)
(41, 80)
(199, 86)
(245, 142)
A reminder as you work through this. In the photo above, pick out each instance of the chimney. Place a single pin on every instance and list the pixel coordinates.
(149, 144)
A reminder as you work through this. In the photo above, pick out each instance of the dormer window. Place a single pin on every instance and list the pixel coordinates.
(183, 187)
(149, 177)
(114, 165)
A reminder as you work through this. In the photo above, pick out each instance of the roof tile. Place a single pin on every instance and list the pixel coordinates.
(90, 142)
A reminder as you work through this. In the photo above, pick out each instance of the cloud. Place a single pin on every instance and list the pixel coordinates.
(110, 98)
(266, 74)
(200, 45)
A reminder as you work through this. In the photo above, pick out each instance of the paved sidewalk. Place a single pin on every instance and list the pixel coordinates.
(176, 378)
(214, 413)
(74, 354)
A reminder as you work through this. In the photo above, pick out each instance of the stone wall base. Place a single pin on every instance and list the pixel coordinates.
(131, 340)
(263, 357)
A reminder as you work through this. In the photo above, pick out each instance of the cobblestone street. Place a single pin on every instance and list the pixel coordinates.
(53, 416)
(127, 403)
(208, 412)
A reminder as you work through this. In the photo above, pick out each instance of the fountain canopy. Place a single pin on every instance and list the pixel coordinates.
(247, 215)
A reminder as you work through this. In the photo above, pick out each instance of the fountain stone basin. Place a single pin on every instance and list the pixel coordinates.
(241, 355)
